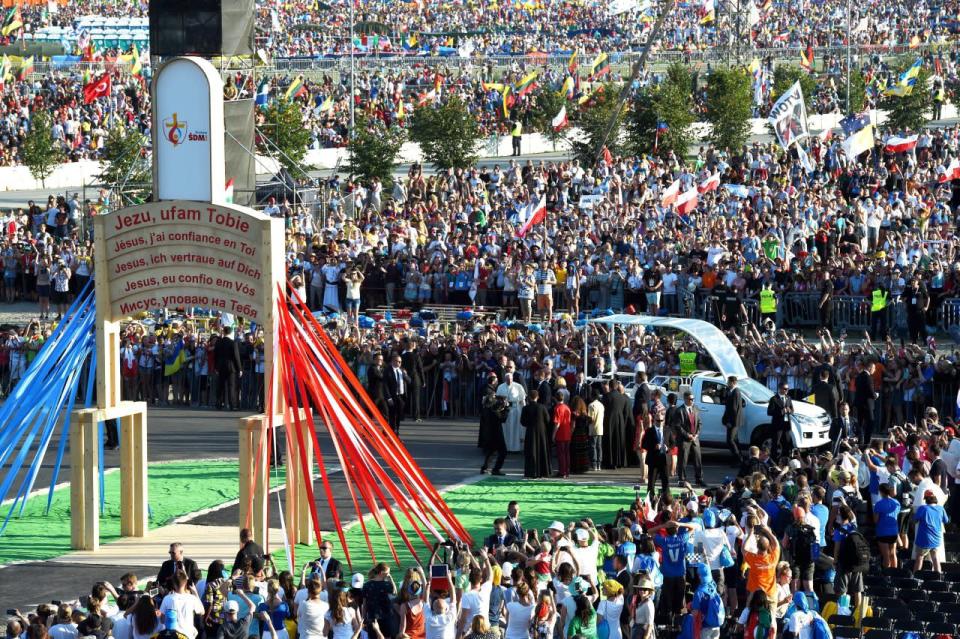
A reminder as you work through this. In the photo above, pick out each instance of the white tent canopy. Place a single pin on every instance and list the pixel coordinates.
(711, 338)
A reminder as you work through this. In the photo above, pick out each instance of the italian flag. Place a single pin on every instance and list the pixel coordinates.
(228, 192)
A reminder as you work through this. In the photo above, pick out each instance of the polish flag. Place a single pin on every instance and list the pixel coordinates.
(559, 121)
(710, 184)
(952, 171)
(670, 195)
(826, 135)
(538, 215)
(687, 201)
(897, 144)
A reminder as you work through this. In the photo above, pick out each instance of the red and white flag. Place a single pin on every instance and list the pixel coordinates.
(710, 184)
(898, 144)
(670, 195)
(952, 171)
(825, 135)
(99, 87)
(687, 201)
(538, 214)
(228, 192)
(559, 121)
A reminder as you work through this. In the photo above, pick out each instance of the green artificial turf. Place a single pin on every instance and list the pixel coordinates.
(175, 489)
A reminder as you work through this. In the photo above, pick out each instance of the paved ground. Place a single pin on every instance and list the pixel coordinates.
(446, 450)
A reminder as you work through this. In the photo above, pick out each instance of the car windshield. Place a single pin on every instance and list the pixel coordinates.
(754, 390)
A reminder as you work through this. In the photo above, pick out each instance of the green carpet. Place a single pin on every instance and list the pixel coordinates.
(476, 506)
(175, 489)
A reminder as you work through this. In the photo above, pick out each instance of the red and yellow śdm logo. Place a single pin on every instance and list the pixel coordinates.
(175, 130)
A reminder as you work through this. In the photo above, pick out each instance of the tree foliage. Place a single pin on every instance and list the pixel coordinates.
(125, 163)
(909, 111)
(39, 151)
(784, 77)
(729, 100)
(283, 129)
(546, 106)
(374, 150)
(448, 135)
(858, 91)
(669, 102)
(594, 119)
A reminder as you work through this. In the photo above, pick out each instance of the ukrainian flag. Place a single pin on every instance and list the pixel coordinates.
(175, 360)
(908, 79)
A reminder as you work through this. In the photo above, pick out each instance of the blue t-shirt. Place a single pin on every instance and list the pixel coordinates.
(841, 531)
(930, 522)
(886, 511)
(822, 513)
(675, 554)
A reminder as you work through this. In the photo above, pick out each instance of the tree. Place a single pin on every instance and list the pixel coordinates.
(448, 135)
(284, 135)
(39, 151)
(124, 162)
(909, 111)
(784, 77)
(858, 91)
(668, 102)
(546, 106)
(594, 120)
(729, 107)
(374, 149)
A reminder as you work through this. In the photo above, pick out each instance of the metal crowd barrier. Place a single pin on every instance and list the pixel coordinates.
(851, 312)
(799, 310)
(949, 313)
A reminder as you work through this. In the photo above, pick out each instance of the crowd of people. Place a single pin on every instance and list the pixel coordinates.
(794, 546)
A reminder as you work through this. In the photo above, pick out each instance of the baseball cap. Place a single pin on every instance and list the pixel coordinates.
(557, 526)
(231, 606)
(356, 581)
(692, 505)
(581, 534)
(507, 570)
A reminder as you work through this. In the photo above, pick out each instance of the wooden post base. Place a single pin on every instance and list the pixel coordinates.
(254, 476)
(85, 472)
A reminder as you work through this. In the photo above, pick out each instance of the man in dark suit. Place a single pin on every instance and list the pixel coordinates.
(831, 371)
(226, 357)
(249, 550)
(843, 427)
(655, 443)
(376, 387)
(825, 395)
(500, 537)
(685, 430)
(326, 563)
(545, 389)
(514, 527)
(413, 365)
(177, 562)
(780, 408)
(733, 418)
(398, 386)
(865, 400)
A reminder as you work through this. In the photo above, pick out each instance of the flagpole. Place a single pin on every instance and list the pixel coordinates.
(353, 75)
(849, 112)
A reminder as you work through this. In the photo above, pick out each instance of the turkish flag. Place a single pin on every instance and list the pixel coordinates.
(98, 88)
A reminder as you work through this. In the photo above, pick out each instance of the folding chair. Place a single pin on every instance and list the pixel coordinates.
(846, 632)
(907, 625)
(879, 634)
(926, 576)
(944, 597)
(936, 586)
(841, 620)
(941, 628)
(911, 596)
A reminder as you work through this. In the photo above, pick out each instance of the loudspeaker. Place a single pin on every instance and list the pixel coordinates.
(238, 145)
(205, 28)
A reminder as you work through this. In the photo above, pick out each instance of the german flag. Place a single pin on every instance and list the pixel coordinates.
(600, 66)
(527, 83)
(806, 58)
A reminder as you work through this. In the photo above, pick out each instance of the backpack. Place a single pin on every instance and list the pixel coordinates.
(853, 500)
(804, 547)
(714, 615)
(820, 628)
(213, 601)
(854, 555)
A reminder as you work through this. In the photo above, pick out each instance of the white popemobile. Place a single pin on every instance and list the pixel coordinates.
(810, 423)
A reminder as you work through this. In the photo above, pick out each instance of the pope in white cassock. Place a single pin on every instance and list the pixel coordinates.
(517, 396)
